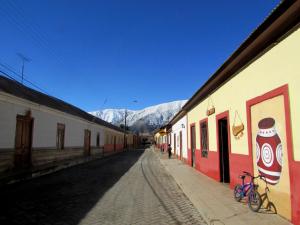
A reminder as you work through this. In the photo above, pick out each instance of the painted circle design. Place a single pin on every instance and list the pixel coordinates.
(257, 152)
(267, 155)
(279, 154)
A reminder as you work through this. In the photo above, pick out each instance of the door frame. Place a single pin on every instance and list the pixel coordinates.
(25, 117)
(220, 116)
(174, 136)
(193, 164)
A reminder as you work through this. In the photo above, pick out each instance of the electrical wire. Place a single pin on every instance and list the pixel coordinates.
(9, 68)
(15, 16)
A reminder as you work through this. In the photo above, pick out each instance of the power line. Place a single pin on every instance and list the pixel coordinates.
(34, 28)
(5, 74)
(7, 67)
(16, 17)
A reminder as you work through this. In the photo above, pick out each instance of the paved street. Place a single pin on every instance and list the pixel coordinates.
(128, 188)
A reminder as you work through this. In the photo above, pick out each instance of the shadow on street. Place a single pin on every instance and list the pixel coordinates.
(64, 197)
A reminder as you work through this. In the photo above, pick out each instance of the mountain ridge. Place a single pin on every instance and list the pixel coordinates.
(145, 120)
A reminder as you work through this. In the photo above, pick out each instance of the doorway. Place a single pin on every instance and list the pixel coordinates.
(175, 145)
(115, 143)
(23, 141)
(193, 145)
(223, 150)
(87, 142)
(180, 139)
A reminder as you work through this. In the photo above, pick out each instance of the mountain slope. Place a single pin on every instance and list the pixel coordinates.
(145, 120)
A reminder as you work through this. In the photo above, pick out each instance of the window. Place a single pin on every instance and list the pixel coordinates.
(98, 140)
(204, 139)
(60, 136)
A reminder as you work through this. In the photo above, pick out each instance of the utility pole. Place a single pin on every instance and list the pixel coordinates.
(125, 130)
(125, 126)
(24, 59)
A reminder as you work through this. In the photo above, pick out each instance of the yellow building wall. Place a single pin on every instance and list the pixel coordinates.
(278, 66)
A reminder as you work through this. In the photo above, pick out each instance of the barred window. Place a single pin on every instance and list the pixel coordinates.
(204, 139)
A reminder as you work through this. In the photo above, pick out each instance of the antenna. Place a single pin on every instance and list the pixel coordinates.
(24, 59)
(105, 101)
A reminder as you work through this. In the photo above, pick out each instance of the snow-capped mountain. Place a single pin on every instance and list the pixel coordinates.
(145, 120)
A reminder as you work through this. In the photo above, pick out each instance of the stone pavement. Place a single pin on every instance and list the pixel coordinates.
(15, 176)
(128, 188)
(215, 200)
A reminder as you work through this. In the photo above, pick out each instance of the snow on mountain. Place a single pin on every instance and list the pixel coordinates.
(144, 120)
(114, 116)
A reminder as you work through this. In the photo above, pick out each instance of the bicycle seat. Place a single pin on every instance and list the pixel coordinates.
(242, 177)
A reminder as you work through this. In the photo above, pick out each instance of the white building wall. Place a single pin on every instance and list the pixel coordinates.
(176, 128)
(45, 125)
(7, 125)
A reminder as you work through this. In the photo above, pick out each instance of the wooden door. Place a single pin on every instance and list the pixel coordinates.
(23, 141)
(87, 142)
(60, 138)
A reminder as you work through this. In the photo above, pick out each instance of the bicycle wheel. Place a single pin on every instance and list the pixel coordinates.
(254, 201)
(238, 192)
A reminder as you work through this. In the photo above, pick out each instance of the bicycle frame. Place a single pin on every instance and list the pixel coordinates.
(246, 188)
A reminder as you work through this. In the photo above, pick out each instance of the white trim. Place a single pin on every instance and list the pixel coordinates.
(257, 152)
(279, 155)
(267, 132)
(272, 181)
(267, 155)
(271, 173)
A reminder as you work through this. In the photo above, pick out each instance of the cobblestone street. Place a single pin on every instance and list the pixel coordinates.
(128, 188)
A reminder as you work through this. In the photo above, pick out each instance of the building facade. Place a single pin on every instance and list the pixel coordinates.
(245, 117)
(161, 138)
(179, 138)
(38, 129)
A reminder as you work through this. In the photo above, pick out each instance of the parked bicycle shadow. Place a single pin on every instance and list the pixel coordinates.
(267, 206)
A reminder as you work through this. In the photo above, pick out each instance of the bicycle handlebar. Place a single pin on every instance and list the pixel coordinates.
(250, 175)
(247, 173)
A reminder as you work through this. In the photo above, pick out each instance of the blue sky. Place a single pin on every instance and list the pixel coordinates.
(106, 53)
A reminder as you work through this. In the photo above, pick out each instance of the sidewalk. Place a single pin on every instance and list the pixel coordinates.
(214, 200)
